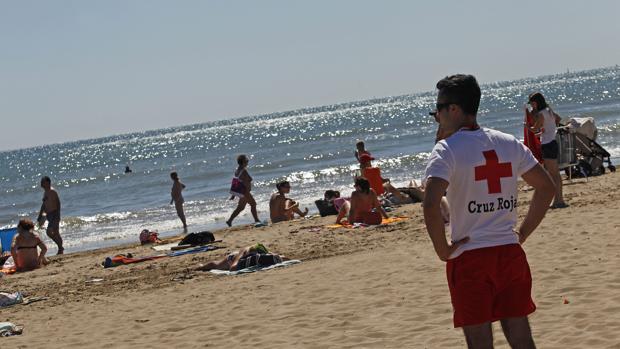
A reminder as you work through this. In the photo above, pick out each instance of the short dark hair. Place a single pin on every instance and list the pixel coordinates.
(363, 183)
(462, 90)
(174, 175)
(360, 144)
(241, 158)
(282, 184)
(537, 97)
(331, 194)
(46, 179)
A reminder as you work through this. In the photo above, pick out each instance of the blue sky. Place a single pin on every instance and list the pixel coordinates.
(73, 70)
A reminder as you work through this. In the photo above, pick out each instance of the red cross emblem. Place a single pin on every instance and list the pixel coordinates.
(493, 171)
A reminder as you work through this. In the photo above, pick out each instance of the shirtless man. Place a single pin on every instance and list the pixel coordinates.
(280, 207)
(362, 155)
(177, 197)
(365, 207)
(51, 208)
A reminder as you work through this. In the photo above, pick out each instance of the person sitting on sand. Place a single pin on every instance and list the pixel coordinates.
(341, 205)
(282, 208)
(234, 260)
(365, 207)
(24, 247)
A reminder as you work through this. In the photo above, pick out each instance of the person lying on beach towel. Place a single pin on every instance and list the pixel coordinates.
(122, 259)
(255, 268)
(244, 258)
(401, 196)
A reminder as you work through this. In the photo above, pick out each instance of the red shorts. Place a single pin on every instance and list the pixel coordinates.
(489, 284)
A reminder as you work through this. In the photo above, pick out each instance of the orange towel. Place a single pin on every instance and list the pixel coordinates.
(384, 221)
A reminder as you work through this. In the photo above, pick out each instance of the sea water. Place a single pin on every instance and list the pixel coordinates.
(313, 148)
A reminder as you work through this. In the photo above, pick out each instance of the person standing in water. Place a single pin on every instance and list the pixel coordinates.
(51, 209)
(363, 156)
(242, 187)
(177, 197)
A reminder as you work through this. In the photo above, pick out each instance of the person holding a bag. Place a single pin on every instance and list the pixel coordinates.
(241, 187)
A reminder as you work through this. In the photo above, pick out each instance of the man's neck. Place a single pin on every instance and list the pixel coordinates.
(469, 123)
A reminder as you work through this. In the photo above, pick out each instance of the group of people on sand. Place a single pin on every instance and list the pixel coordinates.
(470, 180)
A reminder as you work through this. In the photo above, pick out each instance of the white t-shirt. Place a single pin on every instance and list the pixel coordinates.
(482, 167)
(549, 127)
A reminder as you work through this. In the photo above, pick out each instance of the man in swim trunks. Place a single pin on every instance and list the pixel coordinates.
(51, 208)
(177, 197)
(487, 270)
(282, 208)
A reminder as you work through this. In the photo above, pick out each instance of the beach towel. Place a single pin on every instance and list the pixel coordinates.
(384, 221)
(193, 250)
(255, 268)
(9, 329)
(9, 299)
(121, 259)
(6, 239)
(166, 247)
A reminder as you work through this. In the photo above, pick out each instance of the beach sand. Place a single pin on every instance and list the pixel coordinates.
(380, 287)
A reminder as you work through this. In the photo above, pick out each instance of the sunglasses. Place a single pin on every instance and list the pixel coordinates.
(438, 107)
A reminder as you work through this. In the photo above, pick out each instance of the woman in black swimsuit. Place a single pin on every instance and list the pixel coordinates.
(24, 247)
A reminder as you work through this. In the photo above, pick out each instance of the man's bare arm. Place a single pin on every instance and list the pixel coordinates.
(544, 190)
(435, 188)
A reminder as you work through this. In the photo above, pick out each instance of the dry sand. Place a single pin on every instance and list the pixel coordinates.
(378, 287)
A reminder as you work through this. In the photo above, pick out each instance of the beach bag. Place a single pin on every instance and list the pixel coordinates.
(237, 188)
(149, 237)
(326, 207)
(196, 239)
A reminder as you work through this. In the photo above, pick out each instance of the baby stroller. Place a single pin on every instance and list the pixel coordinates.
(589, 156)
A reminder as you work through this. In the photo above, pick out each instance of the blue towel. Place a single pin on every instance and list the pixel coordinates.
(6, 238)
(192, 250)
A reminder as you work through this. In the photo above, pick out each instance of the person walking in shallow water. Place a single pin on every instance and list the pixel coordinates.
(177, 197)
(488, 274)
(51, 209)
(241, 187)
